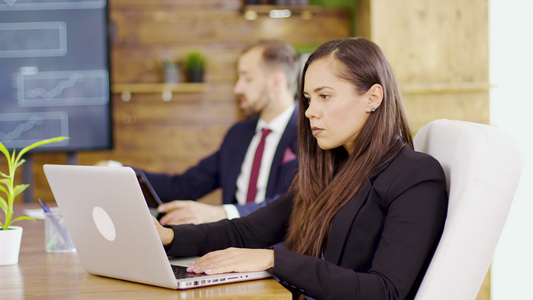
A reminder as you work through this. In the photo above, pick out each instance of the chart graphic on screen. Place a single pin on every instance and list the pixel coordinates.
(54, 74)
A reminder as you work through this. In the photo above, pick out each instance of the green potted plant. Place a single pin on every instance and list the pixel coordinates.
(10, 236)
(194, 63)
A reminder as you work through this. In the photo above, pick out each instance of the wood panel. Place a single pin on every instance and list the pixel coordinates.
(424, 108)
(439, 52)
(222, 39)
(432, 43)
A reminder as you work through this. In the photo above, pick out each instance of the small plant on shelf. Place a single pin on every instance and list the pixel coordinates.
(194, 63)
(7, 181)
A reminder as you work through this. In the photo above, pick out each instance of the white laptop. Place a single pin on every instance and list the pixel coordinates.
(113, 231)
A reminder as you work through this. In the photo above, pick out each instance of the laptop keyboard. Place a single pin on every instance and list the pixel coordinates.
(181, 272)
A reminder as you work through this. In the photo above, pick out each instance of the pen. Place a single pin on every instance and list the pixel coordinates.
(60, 228)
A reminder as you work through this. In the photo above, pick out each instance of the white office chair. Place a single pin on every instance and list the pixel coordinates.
(483, 167)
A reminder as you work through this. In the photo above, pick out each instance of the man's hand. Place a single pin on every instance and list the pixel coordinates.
(185, 212)
(109, 163)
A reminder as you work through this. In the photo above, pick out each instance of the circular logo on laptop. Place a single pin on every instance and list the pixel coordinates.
(104, 223)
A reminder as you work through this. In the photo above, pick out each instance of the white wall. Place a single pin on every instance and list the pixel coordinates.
(511, 70)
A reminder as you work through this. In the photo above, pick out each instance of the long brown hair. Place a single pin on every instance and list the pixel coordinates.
(328, 179)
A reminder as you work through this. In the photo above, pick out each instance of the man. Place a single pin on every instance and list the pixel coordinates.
(267, 78)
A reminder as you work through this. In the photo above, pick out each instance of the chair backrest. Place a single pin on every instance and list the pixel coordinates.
(483, 167)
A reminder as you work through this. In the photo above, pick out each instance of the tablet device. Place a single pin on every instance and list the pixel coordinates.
(151, 197)
(149, 193)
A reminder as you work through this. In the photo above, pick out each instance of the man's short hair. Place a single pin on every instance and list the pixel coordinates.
(278, 54)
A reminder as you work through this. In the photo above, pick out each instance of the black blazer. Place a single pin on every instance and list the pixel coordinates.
(221, 169)
(380, 243)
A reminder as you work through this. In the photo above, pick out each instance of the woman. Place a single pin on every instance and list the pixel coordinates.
(365, 212)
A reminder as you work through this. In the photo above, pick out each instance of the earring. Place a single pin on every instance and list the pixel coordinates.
(372, 109)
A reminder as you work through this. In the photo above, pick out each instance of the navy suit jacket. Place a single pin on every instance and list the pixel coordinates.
(379, 244)
(221, 169)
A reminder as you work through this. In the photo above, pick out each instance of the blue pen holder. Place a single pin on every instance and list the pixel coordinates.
(56, 237)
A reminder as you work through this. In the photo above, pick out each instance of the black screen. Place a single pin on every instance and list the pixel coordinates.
(151, 197)
(54, 74)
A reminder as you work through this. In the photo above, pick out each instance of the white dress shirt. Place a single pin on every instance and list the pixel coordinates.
(277, 126)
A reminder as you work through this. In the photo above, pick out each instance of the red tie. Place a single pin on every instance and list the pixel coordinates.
(252, 186)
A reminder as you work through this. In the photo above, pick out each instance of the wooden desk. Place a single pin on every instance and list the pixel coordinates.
(42, 275)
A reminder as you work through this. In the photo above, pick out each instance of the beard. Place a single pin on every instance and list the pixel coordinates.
(250, 113)
(254, 109)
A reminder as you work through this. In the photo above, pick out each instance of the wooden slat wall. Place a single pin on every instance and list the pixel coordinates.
(435, 43)
(172, 136)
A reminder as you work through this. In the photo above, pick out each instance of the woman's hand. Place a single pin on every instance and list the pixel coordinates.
(165, 234)
(234, 260)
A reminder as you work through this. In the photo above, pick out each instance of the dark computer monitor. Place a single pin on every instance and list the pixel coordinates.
(54, 74)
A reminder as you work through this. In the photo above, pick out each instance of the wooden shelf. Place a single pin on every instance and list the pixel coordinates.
(304, 11)
(445, 88)
(166, 90)
(158, 87)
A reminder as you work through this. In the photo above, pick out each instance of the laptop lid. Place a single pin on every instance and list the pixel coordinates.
(112, 228)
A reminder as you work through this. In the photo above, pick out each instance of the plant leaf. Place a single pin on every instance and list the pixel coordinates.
(3, 204)
(40, 143)
(20, 163)
(4, 150)
(5, 181)
(19, 189)
(22, 218)
(3, 189)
